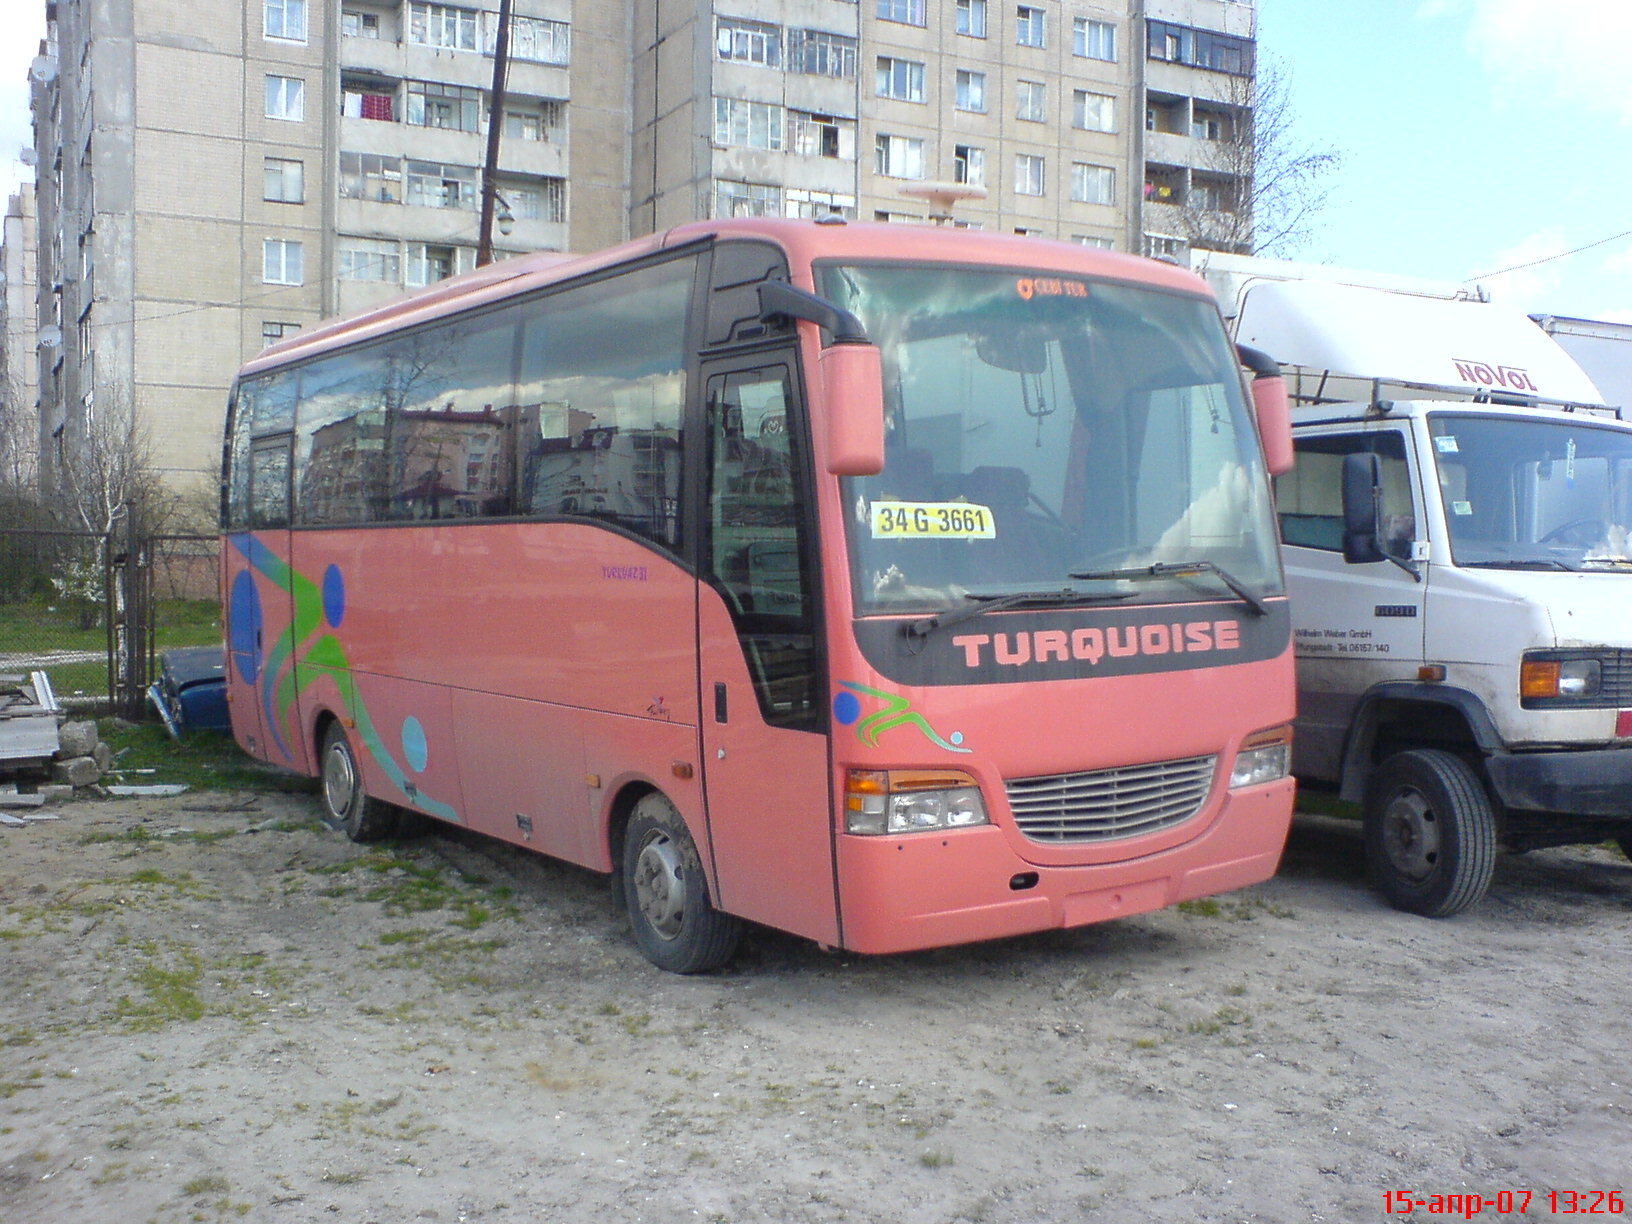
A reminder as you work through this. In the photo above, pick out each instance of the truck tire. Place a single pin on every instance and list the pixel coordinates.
(1430, 833)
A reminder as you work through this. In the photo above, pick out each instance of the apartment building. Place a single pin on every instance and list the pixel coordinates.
(19, 370)
(214, 177)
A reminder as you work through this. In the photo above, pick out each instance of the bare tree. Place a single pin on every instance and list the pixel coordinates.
(1261, 185)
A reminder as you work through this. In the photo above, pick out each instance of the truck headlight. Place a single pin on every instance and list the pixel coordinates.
(1552, 679)
(1265, 757)
(884, 802)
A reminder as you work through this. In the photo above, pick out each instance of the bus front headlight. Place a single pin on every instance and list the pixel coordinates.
(886, 802)
(1264, 757)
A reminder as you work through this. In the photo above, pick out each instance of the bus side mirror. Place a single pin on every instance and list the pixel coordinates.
(1271, 407)
(1362, 508)
(852, 377)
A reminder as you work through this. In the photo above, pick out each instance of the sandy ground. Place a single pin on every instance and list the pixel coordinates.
(216, 1009)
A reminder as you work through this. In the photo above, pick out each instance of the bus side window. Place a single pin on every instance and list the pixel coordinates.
(269, 483)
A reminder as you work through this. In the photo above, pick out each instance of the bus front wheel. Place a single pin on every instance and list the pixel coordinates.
(674, 923)
(346, 806)
(1430, 833)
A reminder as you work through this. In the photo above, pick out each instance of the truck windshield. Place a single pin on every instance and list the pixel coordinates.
(1051, 434)
(1534, 493)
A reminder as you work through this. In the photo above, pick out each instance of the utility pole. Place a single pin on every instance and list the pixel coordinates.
(495, 127)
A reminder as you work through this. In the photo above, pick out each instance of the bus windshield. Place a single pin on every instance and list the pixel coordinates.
(1049, 434)
(1540, 493)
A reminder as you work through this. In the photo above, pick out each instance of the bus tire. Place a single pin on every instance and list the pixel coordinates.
(675, 924)
(346, 806)
(1430, 833)
(1624, 841)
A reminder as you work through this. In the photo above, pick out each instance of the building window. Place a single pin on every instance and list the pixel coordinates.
(368, 259)
(442, 25)
(733, 199)
(281, 262)
(1028, 174)
(1200, 48)
(1093, 112)
(272, 332)
(368, 100)
(818, 53)
(434, 185)
(525, 125)
(752, 125)
(359, 25)
(803, 203)
(898, 156)
(813, 135)
(900, 79)
(543, 200)
(972, 18)
(1031, 98)
(285, 98)
(285, 180)
(749, 42)
(1093, 184)
(286, 19)
(1094, 39)
(1095, 241)
(1029, 26)
(906, 12)
(433, 104)
(1205, 126)
(429, 264)
(533, 39)
(971, 90)
(969, 165)
(371, 176)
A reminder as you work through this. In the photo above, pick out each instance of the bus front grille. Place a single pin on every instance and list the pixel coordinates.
(1105, 804)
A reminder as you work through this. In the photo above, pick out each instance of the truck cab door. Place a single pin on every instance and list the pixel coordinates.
(1354, 625)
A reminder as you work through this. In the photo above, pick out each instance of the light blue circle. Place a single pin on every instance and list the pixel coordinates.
(956, 737)
(414, 747)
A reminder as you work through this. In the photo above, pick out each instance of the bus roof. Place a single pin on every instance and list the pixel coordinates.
(805, 242)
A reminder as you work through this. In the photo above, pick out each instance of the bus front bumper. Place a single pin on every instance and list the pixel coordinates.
(895, 891)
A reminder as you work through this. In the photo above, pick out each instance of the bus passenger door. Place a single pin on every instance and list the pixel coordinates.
(258, 602)
(764, 742)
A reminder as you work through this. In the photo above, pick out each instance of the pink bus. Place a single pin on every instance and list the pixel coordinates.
(895, 587)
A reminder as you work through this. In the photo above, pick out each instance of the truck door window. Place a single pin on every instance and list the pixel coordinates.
(1309, 498)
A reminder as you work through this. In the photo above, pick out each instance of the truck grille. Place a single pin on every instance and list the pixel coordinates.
(1105, 804)
(1616, 685)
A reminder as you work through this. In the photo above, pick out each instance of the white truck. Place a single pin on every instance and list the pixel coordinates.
(1455, 534)
(1601, 347)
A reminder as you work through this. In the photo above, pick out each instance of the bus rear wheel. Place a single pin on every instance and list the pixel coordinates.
(1430, 833)
(346, 806)
(674, 922)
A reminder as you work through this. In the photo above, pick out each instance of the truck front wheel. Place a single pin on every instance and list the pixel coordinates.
(1430, 833)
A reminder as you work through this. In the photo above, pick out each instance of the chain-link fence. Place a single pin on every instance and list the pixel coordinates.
(94, 611)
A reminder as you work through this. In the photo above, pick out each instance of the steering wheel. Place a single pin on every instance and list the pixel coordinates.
(1600, 529)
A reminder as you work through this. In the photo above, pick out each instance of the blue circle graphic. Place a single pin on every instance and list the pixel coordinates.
(334, 595)
(244, 621)
(847, 708)
(414, 748)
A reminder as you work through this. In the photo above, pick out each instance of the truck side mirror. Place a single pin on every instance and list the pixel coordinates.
(1362, 508)
(1271, 407)
(852, 375)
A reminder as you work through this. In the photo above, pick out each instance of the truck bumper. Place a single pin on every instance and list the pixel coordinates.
(1586, 783)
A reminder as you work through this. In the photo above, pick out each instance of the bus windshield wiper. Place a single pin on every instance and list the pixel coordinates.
(1185, 569)
(981, 604)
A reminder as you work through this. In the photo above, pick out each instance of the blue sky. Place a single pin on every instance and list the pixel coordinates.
(1476, 135)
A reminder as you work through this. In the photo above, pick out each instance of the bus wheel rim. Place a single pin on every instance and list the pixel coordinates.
(660, 886)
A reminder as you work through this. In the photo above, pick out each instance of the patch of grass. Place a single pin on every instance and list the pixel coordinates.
(206, 1185)
(934, 1160)
(1200, 907)
(204, 760)
(171, 993)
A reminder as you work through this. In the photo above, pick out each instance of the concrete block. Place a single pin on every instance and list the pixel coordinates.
(77, 739)
(76, 771)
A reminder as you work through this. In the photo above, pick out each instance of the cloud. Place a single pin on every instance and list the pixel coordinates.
(1573, 50)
